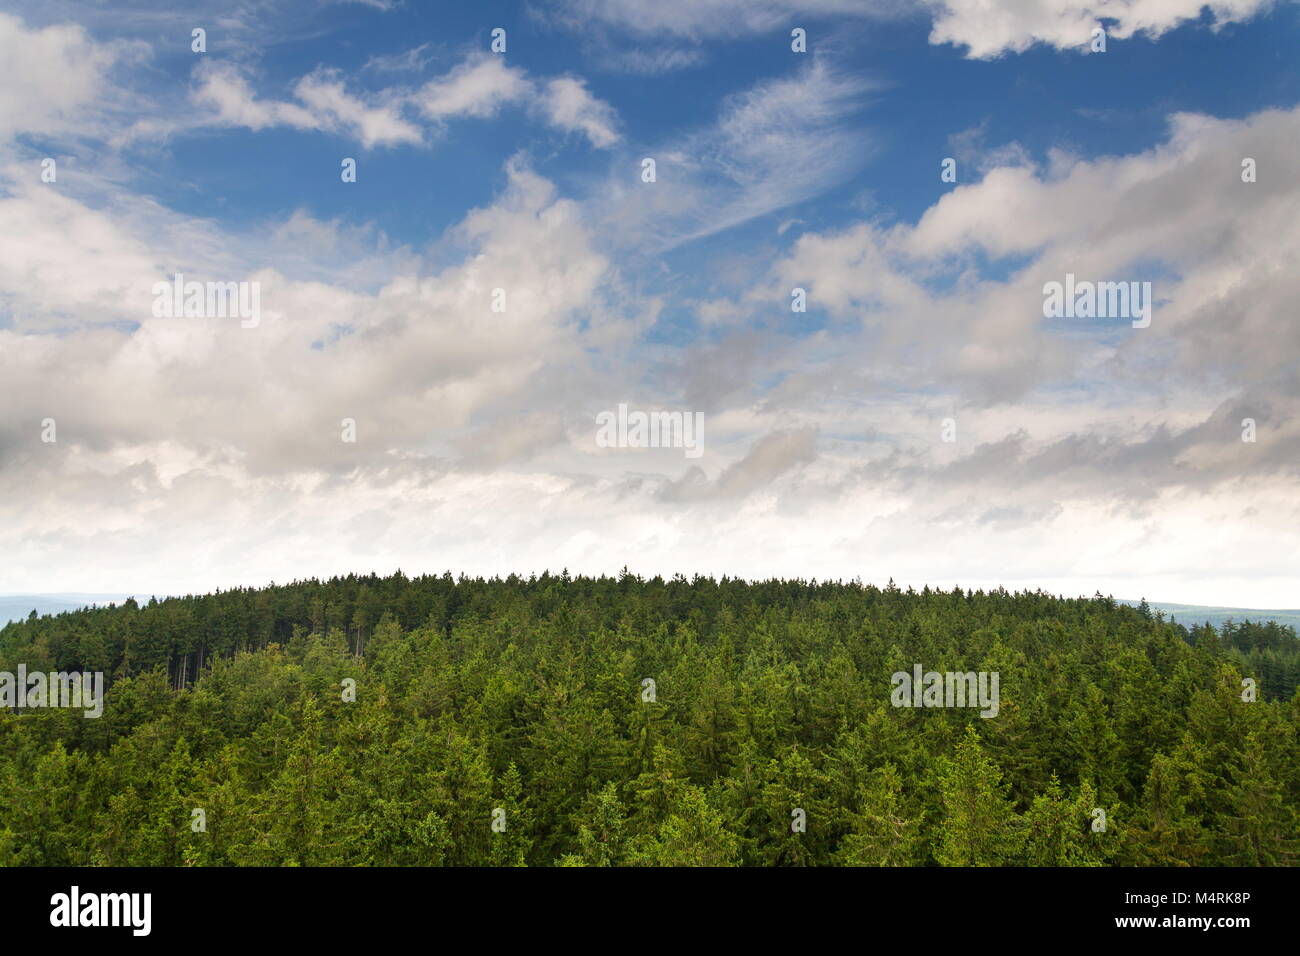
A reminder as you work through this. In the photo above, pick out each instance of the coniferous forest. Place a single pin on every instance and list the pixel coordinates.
(552, 720)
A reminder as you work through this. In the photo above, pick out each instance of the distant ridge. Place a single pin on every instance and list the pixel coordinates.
(16, 607)
(1190, 614)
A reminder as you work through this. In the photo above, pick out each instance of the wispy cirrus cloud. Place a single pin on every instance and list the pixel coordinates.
(776, 143)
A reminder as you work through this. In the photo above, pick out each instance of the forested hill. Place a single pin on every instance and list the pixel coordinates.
(640, 722)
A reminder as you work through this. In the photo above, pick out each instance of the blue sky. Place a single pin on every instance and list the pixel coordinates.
(925, 94)
(1088, 455)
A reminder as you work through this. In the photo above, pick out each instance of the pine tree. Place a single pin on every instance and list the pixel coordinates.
(1259, 829)
(883, 832)
(979, 825)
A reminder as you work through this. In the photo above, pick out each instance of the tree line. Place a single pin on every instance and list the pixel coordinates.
(557, 720)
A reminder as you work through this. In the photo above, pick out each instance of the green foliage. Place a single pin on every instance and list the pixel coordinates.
(979, 825)
(522, 700)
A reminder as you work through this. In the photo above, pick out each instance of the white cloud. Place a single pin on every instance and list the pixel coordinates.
(408, 61)
(993, 29)
(377, 125)
(479, 87)
(698, 19)
(568, 105)
(476, 429)
(225, 88)
(653, 61)
(52, 76)
(777, 143)
(421, 354)
(324, 104)
(1221, 255)
(482, 84)
(987, 28)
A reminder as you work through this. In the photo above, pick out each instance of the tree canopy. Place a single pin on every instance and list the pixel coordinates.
(576, 721)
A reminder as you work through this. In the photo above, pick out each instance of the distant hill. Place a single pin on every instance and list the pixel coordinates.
(1189, 614)
(16, 607)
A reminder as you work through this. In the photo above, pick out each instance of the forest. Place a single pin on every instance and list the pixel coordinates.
(627, 721)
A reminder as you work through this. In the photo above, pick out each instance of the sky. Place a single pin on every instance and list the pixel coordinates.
(457, 268)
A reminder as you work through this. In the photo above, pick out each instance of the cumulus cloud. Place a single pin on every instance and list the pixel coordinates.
(53, 75)
(993, 29)
(960, 292)
(823, 453)
(411, 363)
